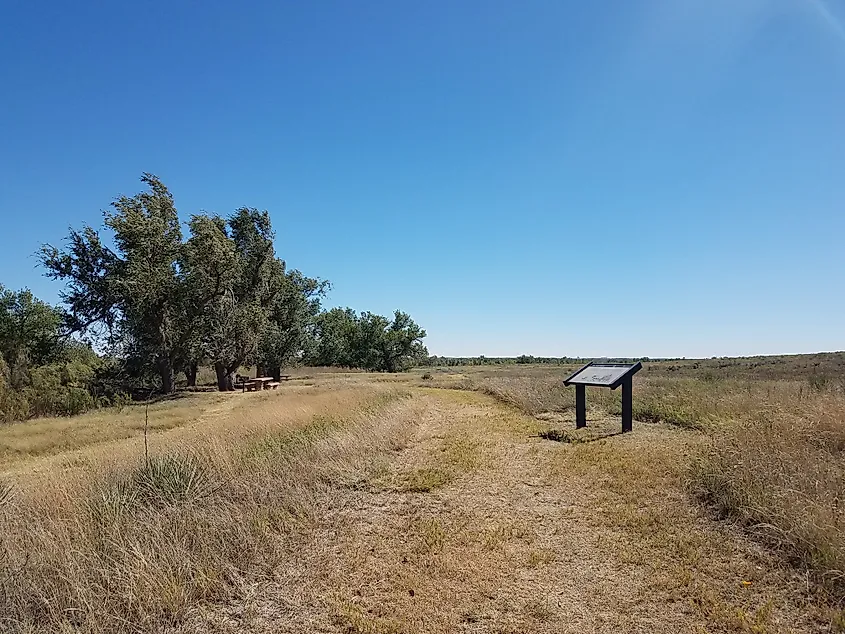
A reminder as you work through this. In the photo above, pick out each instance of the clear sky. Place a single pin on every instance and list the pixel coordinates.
(659, 177)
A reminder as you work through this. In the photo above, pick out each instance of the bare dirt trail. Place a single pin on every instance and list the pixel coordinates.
(476, 526)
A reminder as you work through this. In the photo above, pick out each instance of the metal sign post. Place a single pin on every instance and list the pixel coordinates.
(610, 375)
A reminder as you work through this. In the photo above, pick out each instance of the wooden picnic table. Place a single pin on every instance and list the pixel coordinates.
(258, 383)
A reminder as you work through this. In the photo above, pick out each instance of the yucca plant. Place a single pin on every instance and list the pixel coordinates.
(173, 479)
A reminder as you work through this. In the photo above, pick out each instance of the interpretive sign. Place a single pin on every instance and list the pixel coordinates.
(610, 375)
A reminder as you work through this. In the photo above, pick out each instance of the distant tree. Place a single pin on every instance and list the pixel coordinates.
(399, 344)
(368, 341)
(42, 371)
(334, 336)
(29, 333)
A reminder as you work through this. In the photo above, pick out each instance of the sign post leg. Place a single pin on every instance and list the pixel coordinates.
(627, 405)
(580, 406)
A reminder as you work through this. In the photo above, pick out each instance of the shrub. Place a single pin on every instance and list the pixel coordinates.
(427, 376)
(58, 389)
(818, 382)
(120, 400)
(13, 404)
(113, 501)
(172, 479)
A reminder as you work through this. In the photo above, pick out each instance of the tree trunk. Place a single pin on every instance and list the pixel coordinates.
(191, 374)
(224, 377)
(276, 373)
(165, 370)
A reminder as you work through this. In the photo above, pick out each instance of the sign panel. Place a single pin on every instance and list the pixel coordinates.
(603, 374)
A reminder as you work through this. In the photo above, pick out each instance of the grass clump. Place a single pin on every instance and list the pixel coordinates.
(781, 476)
(651, 409)
(172, 479)
(5, 493)
(424, 480)
(530, 395)
(167, 480)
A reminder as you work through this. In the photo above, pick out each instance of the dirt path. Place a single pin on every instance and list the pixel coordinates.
(475, 526)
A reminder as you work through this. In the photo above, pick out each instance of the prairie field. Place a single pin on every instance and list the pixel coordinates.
(444, 499)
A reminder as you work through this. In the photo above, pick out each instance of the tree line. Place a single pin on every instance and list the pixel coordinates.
(523, 359)
(155, 301)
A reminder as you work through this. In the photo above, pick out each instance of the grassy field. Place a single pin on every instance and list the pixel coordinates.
(429, 502)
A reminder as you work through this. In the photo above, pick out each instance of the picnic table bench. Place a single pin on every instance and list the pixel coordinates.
(258, 383)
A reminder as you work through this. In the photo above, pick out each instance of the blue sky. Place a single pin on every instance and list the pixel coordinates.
(661, 177)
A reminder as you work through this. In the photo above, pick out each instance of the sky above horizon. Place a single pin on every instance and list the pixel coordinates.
(653, 178)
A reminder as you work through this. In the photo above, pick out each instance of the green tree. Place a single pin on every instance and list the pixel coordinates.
(290, 316)
(235, 322)
(42, 371)
(334, 337)
(208, 266)
(136, 291)
(29, 333)
(368, 341)
(400, 344)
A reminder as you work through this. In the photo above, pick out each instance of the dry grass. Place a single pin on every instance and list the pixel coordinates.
(774, 460)
(50, 436)
(347, 502)
(781, 474)
(527, 536)
(138, 549)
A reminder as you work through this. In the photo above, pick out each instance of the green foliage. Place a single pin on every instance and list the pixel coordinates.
(158, 302)
(163, 304)
(29, 333)
(521, 360)
(41, 371)
(120, 400)
(136, 291)
(290, 316)
(368, 341)
(13, 403)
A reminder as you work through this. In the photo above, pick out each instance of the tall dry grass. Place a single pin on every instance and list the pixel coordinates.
(137, 548)
(780, 471)
(774, 460)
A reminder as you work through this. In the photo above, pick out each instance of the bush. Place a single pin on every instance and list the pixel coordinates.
(13, 404)
(57, 389)
(172, 479)
(427, 376)
(54, 390)
(120, 400)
